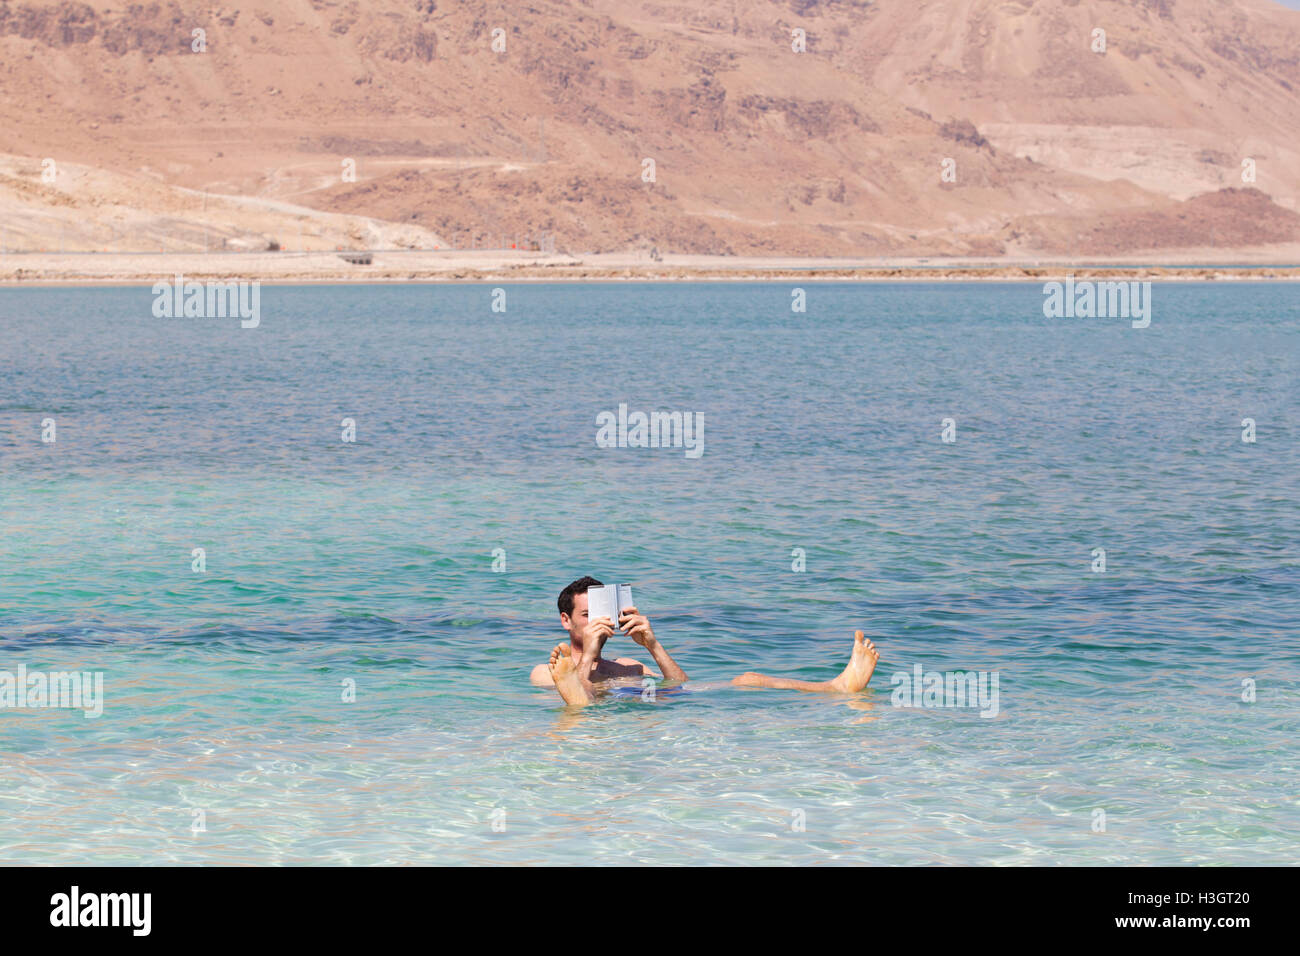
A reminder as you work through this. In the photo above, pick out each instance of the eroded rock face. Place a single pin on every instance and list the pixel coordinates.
(401, 44)
(55, 25)
(816, 119)
(963, 131)
(1228, 218)
(155, 28)
(756, 148)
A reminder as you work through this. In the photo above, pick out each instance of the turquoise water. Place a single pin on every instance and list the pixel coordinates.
(372, 562)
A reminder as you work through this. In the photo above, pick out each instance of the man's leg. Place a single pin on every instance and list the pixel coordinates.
(862, 664)
(567, 674)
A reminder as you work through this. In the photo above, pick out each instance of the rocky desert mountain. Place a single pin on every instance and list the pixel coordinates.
(992, 128)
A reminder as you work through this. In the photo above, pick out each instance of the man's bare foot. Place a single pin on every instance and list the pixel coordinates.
(862, 664)
(564, 671)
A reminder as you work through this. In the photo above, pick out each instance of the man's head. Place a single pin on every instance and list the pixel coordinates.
(572, 603)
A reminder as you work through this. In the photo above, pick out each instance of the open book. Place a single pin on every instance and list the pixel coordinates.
(607, 601)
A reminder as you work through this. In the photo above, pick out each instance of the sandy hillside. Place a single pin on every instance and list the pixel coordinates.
(116, 135)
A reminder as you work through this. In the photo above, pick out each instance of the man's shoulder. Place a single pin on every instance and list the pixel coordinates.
(541, 675)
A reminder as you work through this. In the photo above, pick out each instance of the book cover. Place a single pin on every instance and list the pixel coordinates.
(608, 600)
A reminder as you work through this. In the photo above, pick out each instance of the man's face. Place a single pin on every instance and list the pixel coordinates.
(576, 622)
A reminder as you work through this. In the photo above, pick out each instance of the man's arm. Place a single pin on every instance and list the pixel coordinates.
(637, 627)
(594, 637)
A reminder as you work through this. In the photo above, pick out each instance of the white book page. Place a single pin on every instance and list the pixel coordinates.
(600, 603)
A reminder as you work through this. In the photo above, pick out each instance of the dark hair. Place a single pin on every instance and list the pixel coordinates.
(565, 600)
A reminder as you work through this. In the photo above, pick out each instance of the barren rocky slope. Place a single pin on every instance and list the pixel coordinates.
(1051, 148)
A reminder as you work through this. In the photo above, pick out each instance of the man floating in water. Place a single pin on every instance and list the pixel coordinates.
(577, 670)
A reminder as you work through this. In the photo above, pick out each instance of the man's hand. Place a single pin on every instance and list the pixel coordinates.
(636, 626)
(594, 636)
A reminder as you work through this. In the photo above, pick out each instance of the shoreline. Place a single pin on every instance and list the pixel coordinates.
(45, 269)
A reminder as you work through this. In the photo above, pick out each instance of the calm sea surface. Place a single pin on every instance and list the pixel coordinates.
(1123, 732)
